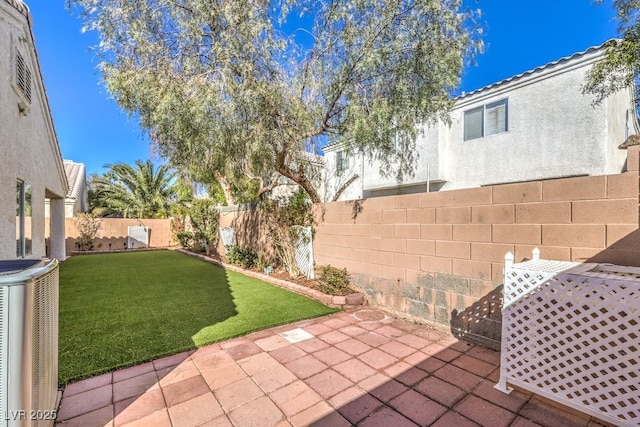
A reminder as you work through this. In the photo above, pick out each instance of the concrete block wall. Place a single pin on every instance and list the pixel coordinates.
(114, 231)
(438, 257)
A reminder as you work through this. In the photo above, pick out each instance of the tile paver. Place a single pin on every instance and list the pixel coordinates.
(352, 371)
(373, 339)
(196, 411)
(418, 408)
(306, 366)
(273, 378)
(331, 356)
(378, 359)
(353, 347)
(295, 397)
(87, 401)
(328, 383)
(99, 417)
(257, 413)
(238, 393)
(137, 407)
(184, 390)
(484, 412)
(134, 386)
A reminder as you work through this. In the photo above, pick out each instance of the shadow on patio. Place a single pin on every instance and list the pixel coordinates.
(360, 368)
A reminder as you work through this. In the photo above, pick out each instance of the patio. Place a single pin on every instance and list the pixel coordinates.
(361, 368)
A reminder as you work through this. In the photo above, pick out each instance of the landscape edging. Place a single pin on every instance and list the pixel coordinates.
(333, 301)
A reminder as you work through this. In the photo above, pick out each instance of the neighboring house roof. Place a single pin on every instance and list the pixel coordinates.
(313, 158)
(537, 69)
(76, 175)
(524, 74)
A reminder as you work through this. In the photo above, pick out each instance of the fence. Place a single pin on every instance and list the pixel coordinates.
(570, 333)
(438, 257)
(113, 233)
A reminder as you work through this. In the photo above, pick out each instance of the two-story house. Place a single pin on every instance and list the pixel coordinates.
(536, 125)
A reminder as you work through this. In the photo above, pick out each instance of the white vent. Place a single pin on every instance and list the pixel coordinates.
(23, 77)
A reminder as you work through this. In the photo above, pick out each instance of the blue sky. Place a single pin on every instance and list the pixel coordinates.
(520, 35)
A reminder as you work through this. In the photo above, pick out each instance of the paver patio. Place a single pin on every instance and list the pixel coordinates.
(360, 368)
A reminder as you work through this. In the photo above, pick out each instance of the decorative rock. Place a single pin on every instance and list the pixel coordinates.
(355, 299)
(338, 300)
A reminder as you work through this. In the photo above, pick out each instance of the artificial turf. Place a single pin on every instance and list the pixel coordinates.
(118, 310)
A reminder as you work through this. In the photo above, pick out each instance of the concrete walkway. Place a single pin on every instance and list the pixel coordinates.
(359, 368)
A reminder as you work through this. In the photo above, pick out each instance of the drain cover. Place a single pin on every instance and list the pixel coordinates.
(296, 335)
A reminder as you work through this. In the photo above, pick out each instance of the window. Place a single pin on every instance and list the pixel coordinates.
(23, 219)
(342, 162)
(486, 120)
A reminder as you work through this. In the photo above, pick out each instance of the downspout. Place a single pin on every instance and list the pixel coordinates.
(362, 177)
(428, 177)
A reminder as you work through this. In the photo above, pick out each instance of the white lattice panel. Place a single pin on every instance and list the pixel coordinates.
(571, 333)
(304, 251)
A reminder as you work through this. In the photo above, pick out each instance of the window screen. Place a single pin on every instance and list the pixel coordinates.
(473, 123)
(342, 162)
(496, 117)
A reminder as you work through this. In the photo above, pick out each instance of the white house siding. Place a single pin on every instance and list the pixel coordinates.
(427, 168)
(334, 180)
(28, 145)
(553, 131)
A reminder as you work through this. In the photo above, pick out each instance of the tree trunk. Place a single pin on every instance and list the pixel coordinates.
(302, 181)
(344, 187)
(226, 188)
(299, 177)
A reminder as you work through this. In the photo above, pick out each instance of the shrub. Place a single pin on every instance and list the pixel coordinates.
(204, 221)
(280, 217)
(87, 227)
(263, 262)
(333, 280)
(245, 258)
(185, 239)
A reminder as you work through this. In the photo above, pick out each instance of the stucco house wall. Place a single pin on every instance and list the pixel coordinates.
(29, 148)
(334, 179)
(553, 131)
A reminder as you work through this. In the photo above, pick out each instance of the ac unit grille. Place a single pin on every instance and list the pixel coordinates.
(23, 76)
(3, 345)
(45, 343)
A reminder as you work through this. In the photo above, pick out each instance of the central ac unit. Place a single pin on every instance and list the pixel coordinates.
(28, 342)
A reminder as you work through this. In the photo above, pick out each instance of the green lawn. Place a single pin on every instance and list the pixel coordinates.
(118, 310)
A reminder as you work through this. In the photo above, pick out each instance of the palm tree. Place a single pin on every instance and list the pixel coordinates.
(135, 192)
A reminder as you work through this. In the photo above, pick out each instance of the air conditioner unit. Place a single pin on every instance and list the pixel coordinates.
(28, 342)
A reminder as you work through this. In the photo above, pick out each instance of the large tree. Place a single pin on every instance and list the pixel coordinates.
(244, 89)
(621, 65)
(143, 191)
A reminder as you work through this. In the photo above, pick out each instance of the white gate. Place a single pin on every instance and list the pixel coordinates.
(304, 251)
(228, 235)
(571, 333)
